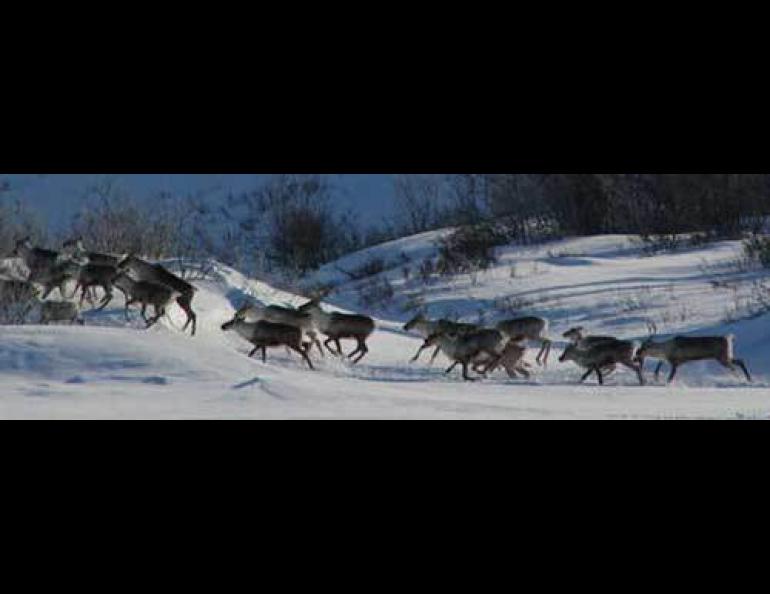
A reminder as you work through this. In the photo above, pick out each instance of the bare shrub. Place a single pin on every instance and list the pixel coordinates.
(676, 315)
(414, 302)
(303, 231)
(113, 222)
(660, 243)
(369, 268)
(426, 270)
(16, 222)
(194, 269)
(17, 300)
(756, 249)
(318, 290)
(376, 292)
(564, 254)
(420, 202)
(511, 305)
(749, 305)
(637, 300)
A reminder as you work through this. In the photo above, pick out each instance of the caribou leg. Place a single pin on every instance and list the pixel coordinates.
(185, 303)
(657, 370)
(304, 356)
(435, 354)
(314, 341)
(419, 351)
(129, 302)
(731, 366)
(363, 348)
(158, 314)
(545, 349)
(326, 343)
(674, 367)
(466, 377)
(82, 293)
(742, 365)
(107, 298)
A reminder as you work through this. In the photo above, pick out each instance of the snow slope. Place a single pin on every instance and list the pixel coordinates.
(111, 369)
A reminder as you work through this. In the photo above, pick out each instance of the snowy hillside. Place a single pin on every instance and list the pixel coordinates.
(603, 282)
(110, 369)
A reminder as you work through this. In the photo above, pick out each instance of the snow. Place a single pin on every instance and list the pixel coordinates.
(113, 369)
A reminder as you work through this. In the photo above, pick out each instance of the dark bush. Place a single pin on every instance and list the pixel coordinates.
(426, 269)
(468, 249)
(16, 222)
(656, 244)
(369, 268)
(756, 248)
(17, 300)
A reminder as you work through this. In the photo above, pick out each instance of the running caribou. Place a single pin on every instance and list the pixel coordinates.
(532, 328)
(155, 273)
(602, 356)
(426, 328)
(337, 325)
(284, 315)
(146, 293)
(683, 349)
(263, 334)
(464, 348)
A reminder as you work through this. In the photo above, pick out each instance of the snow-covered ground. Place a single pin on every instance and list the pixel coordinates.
(110, 369)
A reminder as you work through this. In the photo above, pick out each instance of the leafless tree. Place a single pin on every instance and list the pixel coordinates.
(420, 202)
(111, 221)
(16, 221)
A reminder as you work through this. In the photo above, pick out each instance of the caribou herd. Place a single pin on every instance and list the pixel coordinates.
(141, 282)
(471, 346)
